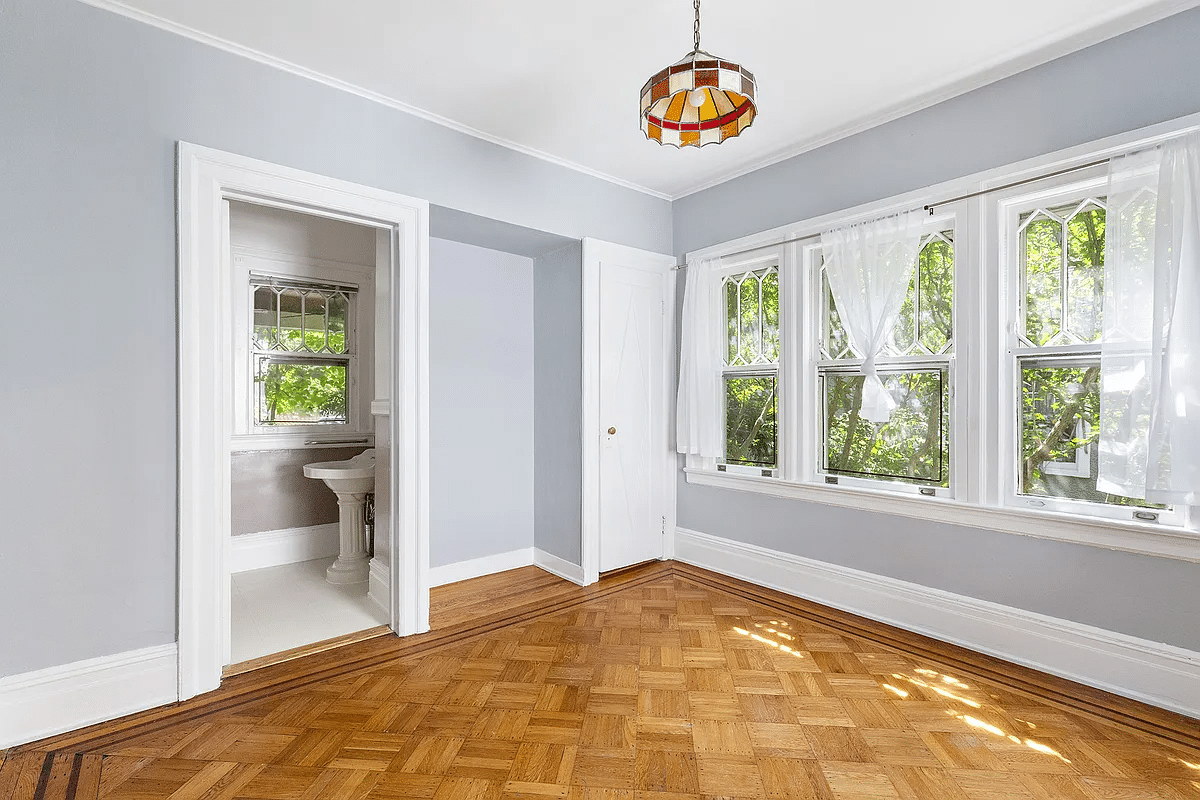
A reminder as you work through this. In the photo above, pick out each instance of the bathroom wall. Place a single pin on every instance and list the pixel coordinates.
(481, 402)
(269, 490)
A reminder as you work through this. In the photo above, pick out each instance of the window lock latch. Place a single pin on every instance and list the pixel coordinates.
(831, 479)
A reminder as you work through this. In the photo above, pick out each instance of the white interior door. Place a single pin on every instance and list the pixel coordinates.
(631, 388)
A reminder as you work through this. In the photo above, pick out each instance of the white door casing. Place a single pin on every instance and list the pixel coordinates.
(628, 383)
(207, 180)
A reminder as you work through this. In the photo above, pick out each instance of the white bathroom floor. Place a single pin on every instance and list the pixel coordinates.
(279, 608)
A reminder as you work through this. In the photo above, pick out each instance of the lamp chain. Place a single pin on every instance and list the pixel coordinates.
(696, 30)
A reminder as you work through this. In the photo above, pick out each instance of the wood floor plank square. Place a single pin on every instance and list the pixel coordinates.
(786, 740)
(729, 736)
(728, 776)
(484, 758)
(666, 771)
(859, 782)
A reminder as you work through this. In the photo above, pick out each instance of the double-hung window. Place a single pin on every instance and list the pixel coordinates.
(1054, 253)
(302, 345)
(912, 450)
(750, 368)
(302, 352)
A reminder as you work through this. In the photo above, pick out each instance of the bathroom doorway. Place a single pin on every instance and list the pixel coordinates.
(395, 412)
(303, 333)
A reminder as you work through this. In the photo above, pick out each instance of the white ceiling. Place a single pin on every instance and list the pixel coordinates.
(560, 78)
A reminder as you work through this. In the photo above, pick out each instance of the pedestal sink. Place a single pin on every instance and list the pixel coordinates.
(351, 481)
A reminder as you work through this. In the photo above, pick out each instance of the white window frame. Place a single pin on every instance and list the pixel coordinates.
(946, 218)
(1008, 206)
(359, 375)
(983, 390)
(738, 265)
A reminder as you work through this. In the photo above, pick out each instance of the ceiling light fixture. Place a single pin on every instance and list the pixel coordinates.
(699, 100)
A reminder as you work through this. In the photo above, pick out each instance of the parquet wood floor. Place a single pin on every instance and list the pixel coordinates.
(663, 683)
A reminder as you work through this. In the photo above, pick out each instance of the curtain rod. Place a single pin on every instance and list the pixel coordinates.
(931, 206)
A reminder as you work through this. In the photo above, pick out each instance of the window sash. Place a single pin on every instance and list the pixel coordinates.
(750, 464)
(1063, 351)
(945, 417)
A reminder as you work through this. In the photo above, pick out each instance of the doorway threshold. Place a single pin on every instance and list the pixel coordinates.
(304, 650)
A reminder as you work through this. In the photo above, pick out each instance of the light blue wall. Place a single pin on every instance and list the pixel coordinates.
(1140, 78)
(91, 106)
(558, 402)
(480, 402)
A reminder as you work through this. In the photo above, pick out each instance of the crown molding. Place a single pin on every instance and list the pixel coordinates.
(117, 7)
(1034, 54)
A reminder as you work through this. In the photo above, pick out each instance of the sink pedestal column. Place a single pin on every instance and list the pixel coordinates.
(352, 565)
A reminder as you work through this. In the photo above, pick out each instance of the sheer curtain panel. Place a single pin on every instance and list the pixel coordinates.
(869, 267)
(698, 410)
(1150, 355)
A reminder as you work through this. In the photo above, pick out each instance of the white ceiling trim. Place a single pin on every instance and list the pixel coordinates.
(156, 21)
(1038, 52)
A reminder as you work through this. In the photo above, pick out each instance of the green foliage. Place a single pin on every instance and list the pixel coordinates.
(750, 430)
(1060, 414)
(301, 393)
(913, 446)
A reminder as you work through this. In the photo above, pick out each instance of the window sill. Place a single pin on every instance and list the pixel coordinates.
(1132, 537)
(294, 440)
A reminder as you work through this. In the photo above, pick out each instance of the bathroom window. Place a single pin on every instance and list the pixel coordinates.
(302, 342)
(302, 352)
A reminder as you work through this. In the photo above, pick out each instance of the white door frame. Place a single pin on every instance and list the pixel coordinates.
(208, 178)
(595, 252)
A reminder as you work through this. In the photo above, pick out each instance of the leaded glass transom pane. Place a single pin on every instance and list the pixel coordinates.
(752, 317)
(1062, 272)
(925, 325)
(300, 319)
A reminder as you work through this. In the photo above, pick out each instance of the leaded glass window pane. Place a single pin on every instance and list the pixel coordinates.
(925, 325)
(752, 317)
(1061, 249)
(301, 319)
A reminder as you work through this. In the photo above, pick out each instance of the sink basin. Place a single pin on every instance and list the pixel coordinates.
(352, 476)
(350, 480)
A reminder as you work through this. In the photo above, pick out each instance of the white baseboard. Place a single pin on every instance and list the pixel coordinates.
(286, 546)
(477, 567)
(379, 581)
(64, 698)
(1159, 674)
(558, 566)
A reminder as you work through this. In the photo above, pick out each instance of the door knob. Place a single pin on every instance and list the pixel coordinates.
(611, 431)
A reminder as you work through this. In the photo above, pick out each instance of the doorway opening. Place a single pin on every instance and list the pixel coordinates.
(394, 412)
(303, 331)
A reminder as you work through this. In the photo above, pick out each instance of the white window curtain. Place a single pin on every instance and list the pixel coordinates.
(869, 267)
(1150, 354)
(698, 410)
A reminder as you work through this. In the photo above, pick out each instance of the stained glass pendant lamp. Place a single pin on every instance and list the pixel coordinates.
(698, 100)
